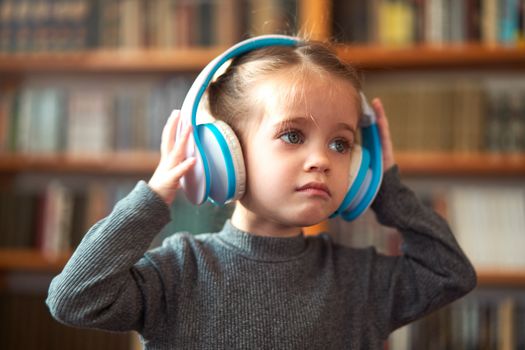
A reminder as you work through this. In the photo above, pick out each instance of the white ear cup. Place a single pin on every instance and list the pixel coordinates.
(358, 168)
(237, 157)
(225, 161)
(355, 163)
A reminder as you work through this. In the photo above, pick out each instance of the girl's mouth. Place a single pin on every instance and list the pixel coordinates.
(317, 189)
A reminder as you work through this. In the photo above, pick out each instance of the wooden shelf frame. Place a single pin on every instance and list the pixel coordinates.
(31, 260)
(501, 278)
(461, 164)
(34, 260)
(112, 163)
(465, 56)
(446, 56)
(411, 163)
(117, 61)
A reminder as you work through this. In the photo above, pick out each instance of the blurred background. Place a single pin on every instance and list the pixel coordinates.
(87, 85)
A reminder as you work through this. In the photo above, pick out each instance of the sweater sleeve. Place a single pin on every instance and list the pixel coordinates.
(108, 283)
(432, 271)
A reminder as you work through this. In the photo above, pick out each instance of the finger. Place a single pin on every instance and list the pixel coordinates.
(172, 135)
(168, 133)
(178, 153)
(178, 171)
(384, 129)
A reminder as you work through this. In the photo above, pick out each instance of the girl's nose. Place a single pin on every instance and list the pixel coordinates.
(317, 161)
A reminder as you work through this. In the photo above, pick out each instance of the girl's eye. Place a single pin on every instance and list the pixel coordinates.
(293, 137)
(340, 145)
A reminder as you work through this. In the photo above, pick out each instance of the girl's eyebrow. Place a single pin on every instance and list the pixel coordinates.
(346, 126)
(286, 123)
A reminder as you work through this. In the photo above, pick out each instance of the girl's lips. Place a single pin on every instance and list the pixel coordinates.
(316, 189)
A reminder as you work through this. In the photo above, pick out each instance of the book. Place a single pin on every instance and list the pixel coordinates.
(89, 129)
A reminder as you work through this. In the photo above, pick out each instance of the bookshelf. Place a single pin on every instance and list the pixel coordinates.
(31, 260)
(315, 19)
(112, 164)
(124, 61)
(426, 56)
(367, 57)
(411, 163)
(499, 278)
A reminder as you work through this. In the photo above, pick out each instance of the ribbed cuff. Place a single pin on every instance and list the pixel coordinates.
(395, 203)
(142, 210)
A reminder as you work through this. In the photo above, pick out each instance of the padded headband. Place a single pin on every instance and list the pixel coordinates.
(204, 78)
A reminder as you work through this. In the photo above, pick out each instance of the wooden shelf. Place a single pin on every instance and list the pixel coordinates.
(116, 163)
(501, 278)
(125, 61)
(193, 59)
(449, 164)
(463, 56)
(31, 260)
(411, 163)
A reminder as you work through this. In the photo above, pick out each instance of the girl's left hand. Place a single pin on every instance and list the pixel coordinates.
(173, 164)
(384, 132)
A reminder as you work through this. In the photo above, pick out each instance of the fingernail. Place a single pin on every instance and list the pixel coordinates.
(173, 113)
(190, 160)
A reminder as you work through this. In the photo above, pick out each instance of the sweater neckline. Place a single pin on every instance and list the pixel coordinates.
(263, 248)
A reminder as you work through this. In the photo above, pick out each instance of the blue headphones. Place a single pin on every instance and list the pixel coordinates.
(219, 173)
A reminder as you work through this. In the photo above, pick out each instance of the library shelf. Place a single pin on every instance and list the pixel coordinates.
(461, 164)
(31, 260)
(35, 260)
(446, 56)
(368, 57)
(125, 60)
(410, 163)
(111, 163)
(502, 278)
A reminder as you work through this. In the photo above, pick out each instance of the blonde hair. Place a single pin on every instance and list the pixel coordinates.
(228, 95)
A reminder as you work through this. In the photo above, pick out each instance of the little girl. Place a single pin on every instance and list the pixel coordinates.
(260, 283)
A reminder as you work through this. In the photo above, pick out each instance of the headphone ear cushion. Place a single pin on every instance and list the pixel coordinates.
(358, 168)
(355, 164)
(237, 158)
(225, 161)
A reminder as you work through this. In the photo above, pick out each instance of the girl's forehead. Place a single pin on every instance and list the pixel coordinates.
(313, 95)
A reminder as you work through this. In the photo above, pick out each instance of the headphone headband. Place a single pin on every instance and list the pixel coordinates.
(197, 90)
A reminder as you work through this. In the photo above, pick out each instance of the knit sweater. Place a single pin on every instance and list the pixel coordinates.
(236, 290)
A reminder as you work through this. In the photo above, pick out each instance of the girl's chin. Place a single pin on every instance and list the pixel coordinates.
(310, 219)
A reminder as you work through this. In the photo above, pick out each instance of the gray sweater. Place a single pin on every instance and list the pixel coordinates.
(235, 290)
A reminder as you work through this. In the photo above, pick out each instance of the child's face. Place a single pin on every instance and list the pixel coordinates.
(298, 153)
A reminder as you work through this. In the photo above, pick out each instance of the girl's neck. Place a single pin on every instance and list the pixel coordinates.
(248, 221)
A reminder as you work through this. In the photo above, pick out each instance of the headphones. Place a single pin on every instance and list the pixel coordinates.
(219, 174)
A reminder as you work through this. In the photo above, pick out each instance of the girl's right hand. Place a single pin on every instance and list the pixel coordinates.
(384, 131)
(173, 165)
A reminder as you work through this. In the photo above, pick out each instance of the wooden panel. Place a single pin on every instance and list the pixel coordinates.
(433, 57)
(411, 163)
(447, 164)
(16, 260)
(33, 260)
(315, 17)
(367, 57)
(110, 61)
(115, 163)
(501, 278)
